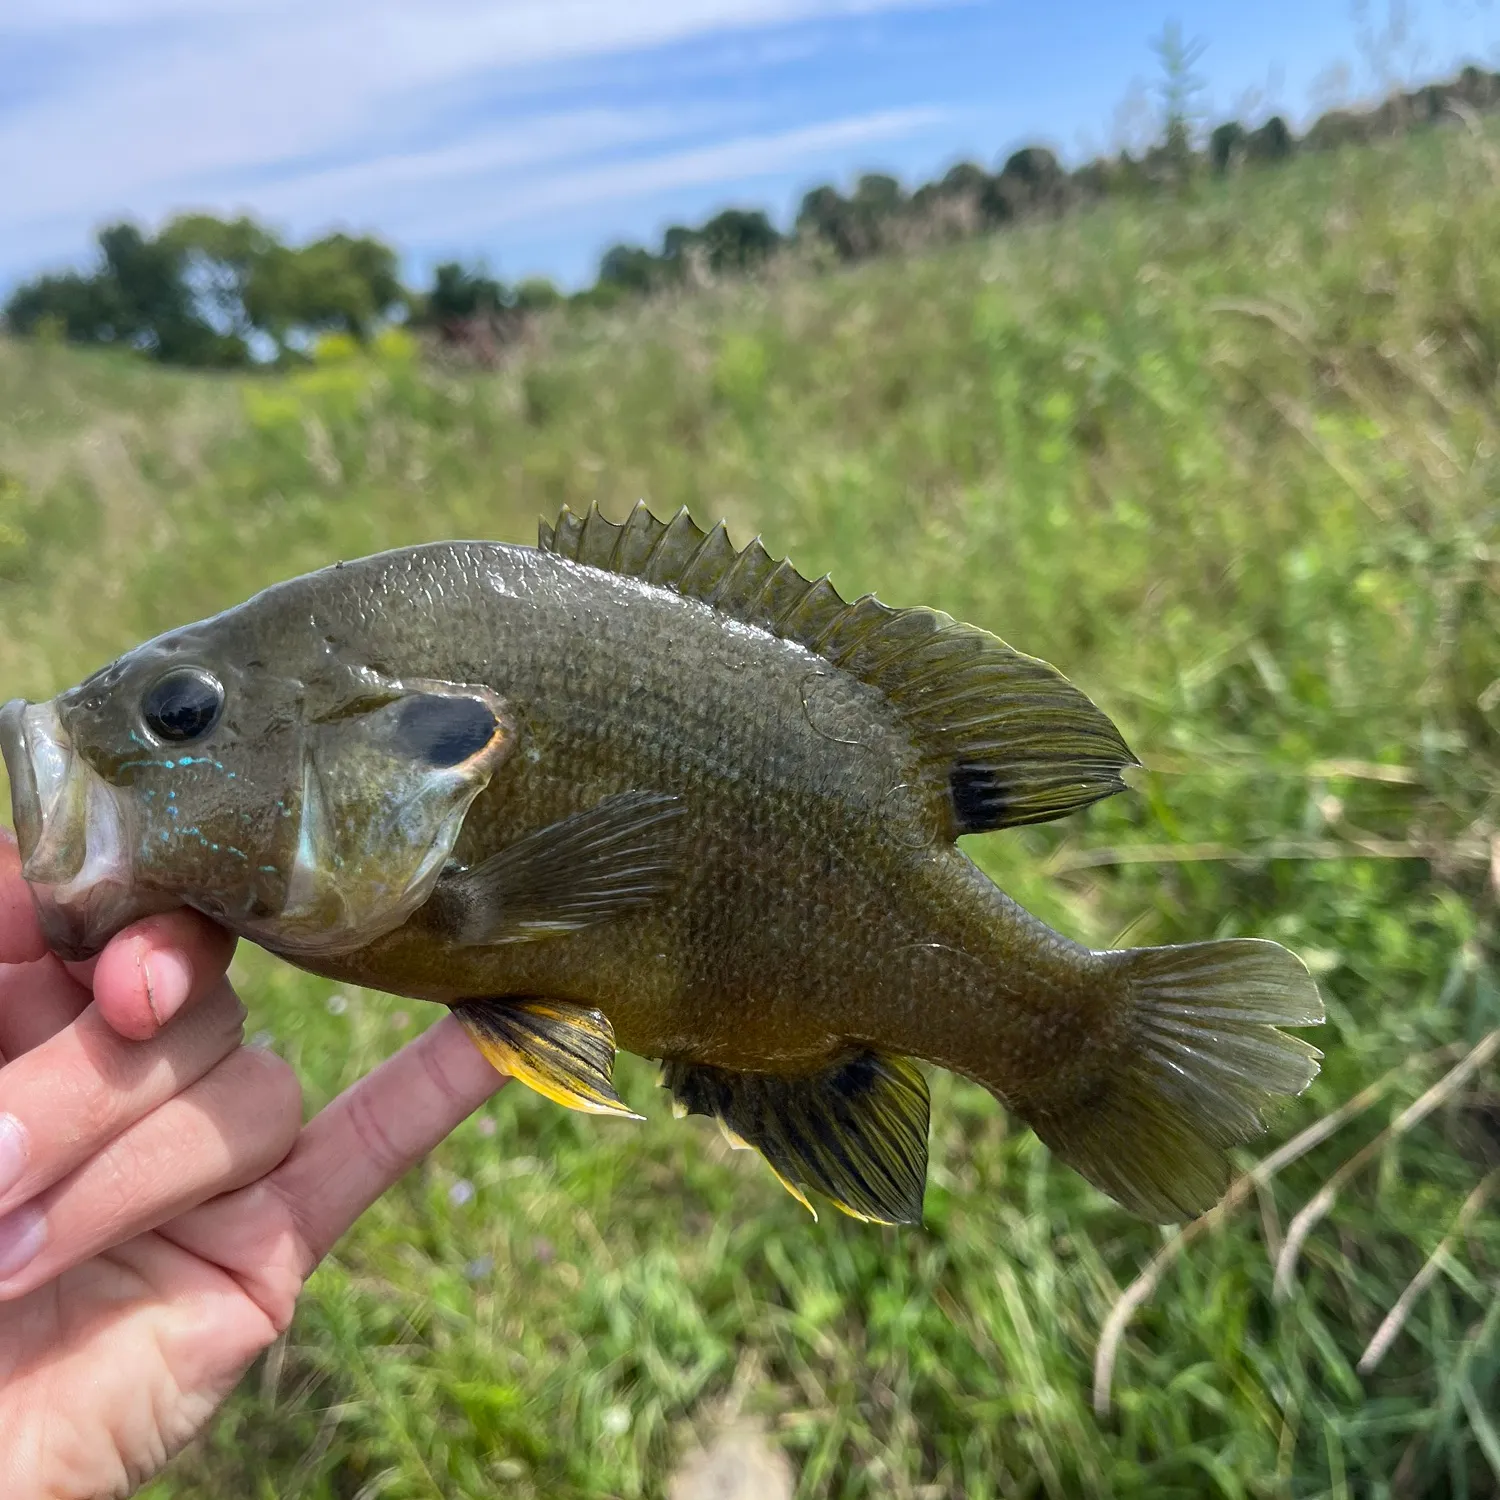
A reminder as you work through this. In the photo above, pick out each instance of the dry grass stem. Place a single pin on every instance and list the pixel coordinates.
(1316, 1209)
(1456, 852)
(1391, 1324)
(1141, 1289)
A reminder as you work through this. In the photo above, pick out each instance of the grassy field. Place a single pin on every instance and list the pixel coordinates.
(1233, 463)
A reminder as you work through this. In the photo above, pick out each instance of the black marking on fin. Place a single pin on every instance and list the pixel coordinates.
(565, 1052)
(974, 706)
(441, 729)
(623, 853)
(856, 1132)
(978, 798)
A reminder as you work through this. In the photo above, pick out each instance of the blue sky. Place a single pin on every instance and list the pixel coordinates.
(535, 133)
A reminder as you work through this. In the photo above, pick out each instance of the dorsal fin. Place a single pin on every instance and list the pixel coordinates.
(1012, 740)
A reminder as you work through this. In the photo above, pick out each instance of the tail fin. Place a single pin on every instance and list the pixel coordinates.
(1201, 1064)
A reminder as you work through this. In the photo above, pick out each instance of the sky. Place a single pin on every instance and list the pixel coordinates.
(533, 134)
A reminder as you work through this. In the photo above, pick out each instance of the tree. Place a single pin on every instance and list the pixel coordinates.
(85, 308)
(1180, 90)
(822, 216)
(537, 294)
(1339, 127)
(963, 179)
(205, 291)
(1270, 143)
(217, 261)
(953, 207)
(339, 284)
(856, 226)
(460, 293)
(877, 194)
(1031, 179)
(630, 268)
(1226, 146)
(736, 240)
(140, 297)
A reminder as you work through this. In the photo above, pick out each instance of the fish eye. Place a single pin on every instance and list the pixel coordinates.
(183, 705)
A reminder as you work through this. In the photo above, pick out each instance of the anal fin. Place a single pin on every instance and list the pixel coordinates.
(855, 1132)
(565, 1052)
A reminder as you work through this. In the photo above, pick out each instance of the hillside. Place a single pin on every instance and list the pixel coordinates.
(1232, 462)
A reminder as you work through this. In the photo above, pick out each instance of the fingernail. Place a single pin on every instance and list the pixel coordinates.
(22, 1235)
(167, 977)
(12, 1152)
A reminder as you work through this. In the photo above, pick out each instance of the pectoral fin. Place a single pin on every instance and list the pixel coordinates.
(565, 1052)
(857, 1132)
(622, 853)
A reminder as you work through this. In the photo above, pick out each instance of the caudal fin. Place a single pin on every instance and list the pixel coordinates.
(1202, 1062)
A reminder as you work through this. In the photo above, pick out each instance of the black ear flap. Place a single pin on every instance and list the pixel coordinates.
(442, 729)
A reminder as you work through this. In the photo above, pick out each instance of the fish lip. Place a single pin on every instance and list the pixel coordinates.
(73, 833)
(26, 805)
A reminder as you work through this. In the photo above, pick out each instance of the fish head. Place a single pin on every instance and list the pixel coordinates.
(253, 767)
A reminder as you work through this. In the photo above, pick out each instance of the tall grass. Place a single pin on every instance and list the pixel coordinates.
(1232, 462)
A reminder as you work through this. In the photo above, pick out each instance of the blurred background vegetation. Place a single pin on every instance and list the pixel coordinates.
(1223, 442)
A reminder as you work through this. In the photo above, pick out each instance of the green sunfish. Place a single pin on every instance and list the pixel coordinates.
(636, 788)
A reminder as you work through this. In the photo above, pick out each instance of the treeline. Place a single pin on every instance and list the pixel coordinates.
(211, 292)
(214, 292)
(879, 215)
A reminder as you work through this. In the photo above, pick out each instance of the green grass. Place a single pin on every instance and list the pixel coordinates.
(1232, 462)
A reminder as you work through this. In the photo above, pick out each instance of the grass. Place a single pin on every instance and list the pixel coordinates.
(1231, 461)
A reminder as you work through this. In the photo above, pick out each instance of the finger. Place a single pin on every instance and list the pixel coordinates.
(21, 938)
(149, 972)
(65, 1100)
(375, 1132)
(228, 1129)
(36, 1001)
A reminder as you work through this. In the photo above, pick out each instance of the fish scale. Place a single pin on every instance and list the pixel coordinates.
(639, 788)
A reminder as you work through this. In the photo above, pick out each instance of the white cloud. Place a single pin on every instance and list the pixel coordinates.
(730, 162)
(402, 180)
(355, 110)
(243, 86)
(532, 30)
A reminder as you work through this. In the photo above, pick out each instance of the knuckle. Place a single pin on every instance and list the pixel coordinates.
(87, 1108)
(373, 1137)
(440, 1079)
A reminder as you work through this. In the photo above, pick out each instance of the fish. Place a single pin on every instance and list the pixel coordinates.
(639, 788)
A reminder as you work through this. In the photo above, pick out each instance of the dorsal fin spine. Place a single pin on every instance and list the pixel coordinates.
(742, 563)
(782, 623)
(692, 562)
(661, 540)
(618, 548)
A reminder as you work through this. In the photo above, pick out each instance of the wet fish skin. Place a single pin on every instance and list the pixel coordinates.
(700, 832)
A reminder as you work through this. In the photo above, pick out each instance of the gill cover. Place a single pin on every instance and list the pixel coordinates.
(385, 785)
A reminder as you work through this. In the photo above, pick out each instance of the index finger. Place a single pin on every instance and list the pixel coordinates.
(376, 1131)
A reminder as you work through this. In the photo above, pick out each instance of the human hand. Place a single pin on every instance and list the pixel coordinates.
(161, 1203)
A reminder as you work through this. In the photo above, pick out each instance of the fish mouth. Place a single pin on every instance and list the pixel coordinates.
(73, 833)
(24, 799)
